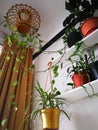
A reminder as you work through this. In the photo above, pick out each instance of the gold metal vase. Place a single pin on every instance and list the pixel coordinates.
(50, 118)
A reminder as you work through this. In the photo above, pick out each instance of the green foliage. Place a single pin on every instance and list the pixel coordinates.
(15, 83)
(15, 69)
(79, 10)
(14, 103)
(71, 84)
(3, 122)
(78, 65)
(66, 33)
(55, 70)
(47, 99)
(32, 67)
(12, 96)
(8, 58)
(24, 40)
(84, 56)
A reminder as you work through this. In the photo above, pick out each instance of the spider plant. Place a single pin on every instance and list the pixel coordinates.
(48, 99)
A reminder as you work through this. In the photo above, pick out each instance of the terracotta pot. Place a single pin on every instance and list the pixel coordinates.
(89, 25)
(80, 79)
(50, 118)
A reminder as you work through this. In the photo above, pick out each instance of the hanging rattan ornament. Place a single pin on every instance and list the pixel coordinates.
(23, 18)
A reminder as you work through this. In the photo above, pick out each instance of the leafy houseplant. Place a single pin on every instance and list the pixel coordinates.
(25, 40)
(93, 63)
(71, 36)
(79, 11)
(79, 71)
(22, 42)
(85, 61)
(49, 103)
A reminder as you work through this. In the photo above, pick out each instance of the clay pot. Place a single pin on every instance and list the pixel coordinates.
(89, 25)
(50, 118)
(80, 79)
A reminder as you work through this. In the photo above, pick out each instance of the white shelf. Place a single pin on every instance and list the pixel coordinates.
(91, 38)
(79, 93)
(88, 40)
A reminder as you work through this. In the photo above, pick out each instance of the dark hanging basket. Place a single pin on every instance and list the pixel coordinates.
(73, 37)
(94, 70)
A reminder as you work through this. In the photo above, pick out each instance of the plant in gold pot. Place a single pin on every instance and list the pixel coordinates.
(49, 106)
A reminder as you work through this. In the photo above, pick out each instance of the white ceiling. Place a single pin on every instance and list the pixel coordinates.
(52, 13)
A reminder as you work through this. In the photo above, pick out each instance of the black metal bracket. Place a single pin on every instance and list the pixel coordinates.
(55, 38)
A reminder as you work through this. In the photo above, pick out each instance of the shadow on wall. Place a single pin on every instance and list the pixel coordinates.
(85, 122)
(85, 114)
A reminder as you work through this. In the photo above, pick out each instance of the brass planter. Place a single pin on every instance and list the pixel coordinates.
(50, 118)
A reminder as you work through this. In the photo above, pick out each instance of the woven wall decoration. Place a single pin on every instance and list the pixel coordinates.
(23, 18)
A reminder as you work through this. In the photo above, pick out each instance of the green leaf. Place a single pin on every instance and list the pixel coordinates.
(22, 57)
(66, 114)
(61, 65)
(23, 34)
(4, 121)
(15, 69)
(9, 40)
(8, 58)
(71, 84)
(60, 52)
(78, 46)
(39, 48)
(31, 67)
(15, 36)
(13, 96)
(34, 41)
(5, 25)
(58, 93)
(52, 58)
(15, 83)
(35, 113)
(18, 60)
(55, 70)
(14, 103)
(12, 52)
(24, 44)
(53, 81)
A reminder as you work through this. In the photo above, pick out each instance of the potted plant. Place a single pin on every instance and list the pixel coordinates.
(79, 10)
(71, 36)
(81, 48)
(79, 70)
(49, 106)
